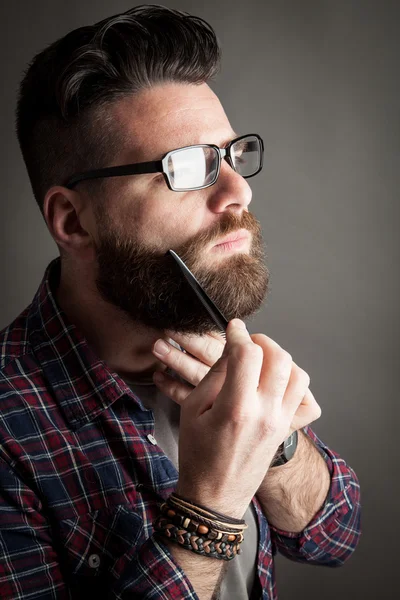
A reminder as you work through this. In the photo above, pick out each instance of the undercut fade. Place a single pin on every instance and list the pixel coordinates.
(62, 122)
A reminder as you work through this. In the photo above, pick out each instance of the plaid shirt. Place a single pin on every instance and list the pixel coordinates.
(82, 478)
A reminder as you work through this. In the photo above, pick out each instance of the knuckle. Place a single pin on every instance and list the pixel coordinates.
(212, 351)
(240, 417)
(286, 357)
(246, 415)
(247, 352)
(303, 376)
(255, 352)
(282, 359)
(268, 427)
(307, 378)
(318, 411)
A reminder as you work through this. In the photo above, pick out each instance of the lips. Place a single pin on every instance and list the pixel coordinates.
(234, 237)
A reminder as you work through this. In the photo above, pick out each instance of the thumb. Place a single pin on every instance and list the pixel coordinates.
(205, 393)
(210, 386)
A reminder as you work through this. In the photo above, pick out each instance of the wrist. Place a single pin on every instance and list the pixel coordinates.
(210, 501)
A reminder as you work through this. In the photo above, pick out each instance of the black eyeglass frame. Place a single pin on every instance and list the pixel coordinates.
(161, 166)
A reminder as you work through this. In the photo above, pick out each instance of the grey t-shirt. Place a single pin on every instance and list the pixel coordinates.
(238, 581)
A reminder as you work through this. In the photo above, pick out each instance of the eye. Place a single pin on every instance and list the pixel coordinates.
(240, 149)
(158, 178)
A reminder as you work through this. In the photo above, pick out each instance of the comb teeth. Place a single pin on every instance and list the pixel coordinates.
(223, 334)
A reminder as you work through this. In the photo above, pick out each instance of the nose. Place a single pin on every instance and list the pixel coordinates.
(231, 191)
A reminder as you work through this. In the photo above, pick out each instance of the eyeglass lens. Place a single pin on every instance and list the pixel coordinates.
(197, 167)
(192, 167)
(246, 156)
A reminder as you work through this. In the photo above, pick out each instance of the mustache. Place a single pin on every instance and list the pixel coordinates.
(229, 223)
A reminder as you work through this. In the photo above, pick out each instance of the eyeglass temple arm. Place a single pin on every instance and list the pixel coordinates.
(132, 169)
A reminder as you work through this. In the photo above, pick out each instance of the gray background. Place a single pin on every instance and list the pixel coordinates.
(319, 81)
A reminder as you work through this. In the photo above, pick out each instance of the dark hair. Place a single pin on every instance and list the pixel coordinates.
(62, 121)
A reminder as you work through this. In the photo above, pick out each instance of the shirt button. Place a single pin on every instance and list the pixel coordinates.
(94, 561)
(152, 439)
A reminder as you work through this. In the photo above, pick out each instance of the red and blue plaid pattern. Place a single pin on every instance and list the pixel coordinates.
(81, 483)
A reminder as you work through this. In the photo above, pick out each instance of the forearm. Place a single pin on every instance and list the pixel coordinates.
(205, 574)
(292, 494)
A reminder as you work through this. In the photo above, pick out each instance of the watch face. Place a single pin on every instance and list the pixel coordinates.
(290, 445)
(287, 450)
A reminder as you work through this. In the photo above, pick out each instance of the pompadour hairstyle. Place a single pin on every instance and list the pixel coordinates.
(62, 122)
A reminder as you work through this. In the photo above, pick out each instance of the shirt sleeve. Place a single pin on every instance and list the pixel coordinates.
(31, 568)
(334, 532)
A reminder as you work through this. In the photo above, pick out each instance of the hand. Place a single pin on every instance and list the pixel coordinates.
(203, 353)
(235, 418)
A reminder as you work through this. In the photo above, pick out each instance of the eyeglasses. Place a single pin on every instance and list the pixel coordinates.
(192, 167)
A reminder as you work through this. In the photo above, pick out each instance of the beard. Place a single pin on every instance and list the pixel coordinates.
(150, 289)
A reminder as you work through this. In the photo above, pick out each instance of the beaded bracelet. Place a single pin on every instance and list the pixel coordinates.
(202, 514)
(213, 531)
(194, 522)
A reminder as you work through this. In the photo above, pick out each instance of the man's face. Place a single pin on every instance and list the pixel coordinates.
(141, 219)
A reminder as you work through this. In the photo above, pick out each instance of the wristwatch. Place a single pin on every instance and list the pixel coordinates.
(286, 450)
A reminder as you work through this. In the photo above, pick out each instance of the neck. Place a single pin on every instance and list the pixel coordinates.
(124, 345)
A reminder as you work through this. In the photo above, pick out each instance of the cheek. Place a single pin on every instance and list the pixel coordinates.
(157, 216)
(165, 229)
(165, 223)
(129, 210)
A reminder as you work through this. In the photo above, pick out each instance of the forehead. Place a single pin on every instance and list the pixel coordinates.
(169, 116)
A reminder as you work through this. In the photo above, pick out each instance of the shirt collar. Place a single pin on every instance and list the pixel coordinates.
(82, 383)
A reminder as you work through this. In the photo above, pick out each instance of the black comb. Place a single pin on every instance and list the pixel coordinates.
(206, 301)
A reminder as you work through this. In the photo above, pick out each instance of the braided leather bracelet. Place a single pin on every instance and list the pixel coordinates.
(188, 527)
(198, 544)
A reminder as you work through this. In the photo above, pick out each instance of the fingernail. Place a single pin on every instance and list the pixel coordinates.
(161, 348)
(238, 323)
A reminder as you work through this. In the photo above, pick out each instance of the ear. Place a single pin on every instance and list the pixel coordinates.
(70, 220)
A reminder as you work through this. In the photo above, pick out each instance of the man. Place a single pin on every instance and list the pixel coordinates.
(88, 441)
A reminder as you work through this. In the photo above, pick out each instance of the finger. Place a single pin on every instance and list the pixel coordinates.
(243, 358)
(276, 369)
(188, 367)
(171, 387)
(207, 348)
(203, 396)
(308, 411)
(244, 362)
(296, 389)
